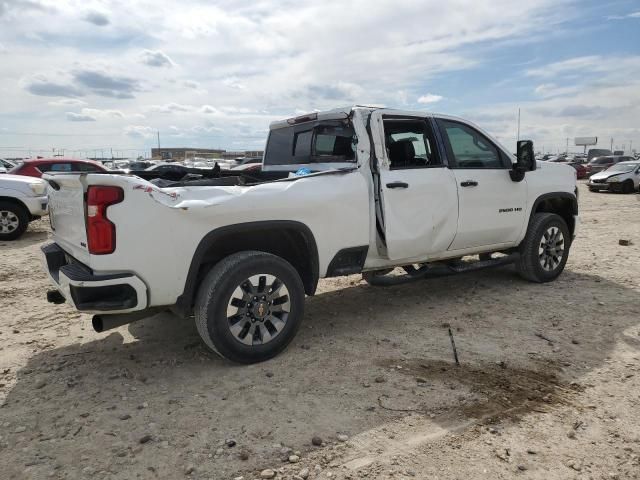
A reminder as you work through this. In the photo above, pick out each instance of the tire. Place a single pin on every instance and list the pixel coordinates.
(596, 190)
(536, 266)
(235, 326)
(628, 187)
(14, 220)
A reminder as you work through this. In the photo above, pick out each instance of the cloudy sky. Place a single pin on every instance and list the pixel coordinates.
(90, 75)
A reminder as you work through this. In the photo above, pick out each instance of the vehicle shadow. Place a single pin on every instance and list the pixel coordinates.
(363, 356)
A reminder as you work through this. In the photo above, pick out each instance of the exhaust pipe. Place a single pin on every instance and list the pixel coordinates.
(102, 323)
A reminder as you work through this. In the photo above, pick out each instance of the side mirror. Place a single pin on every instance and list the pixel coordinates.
(526, 161)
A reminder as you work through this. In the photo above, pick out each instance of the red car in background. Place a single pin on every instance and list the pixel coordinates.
(581, 170)
(36, 167)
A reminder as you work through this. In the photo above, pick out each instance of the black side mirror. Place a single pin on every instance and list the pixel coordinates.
(526, 160)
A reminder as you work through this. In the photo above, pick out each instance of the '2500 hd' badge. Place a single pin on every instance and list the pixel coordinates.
(508, 210)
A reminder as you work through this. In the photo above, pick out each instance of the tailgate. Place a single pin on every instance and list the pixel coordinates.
(67, 213)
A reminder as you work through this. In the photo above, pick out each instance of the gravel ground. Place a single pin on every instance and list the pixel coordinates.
(548, 386)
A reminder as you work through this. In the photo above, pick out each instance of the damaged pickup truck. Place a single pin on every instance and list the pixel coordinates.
(356, 190)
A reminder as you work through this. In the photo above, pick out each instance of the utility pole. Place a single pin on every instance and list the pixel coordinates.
(567, 150)
(611, 144)
(158, 139)
(518, 124)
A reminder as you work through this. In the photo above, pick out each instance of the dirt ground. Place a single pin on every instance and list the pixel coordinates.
(548, 386)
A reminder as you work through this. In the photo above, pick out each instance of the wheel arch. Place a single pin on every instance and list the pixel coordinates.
(15, 201)
(290, 240)
(564, 204)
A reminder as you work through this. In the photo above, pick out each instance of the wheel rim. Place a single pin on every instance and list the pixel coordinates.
(551, 250)
(9, 221)
(258, 309)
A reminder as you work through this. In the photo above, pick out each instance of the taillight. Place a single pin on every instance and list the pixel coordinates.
(101, 233)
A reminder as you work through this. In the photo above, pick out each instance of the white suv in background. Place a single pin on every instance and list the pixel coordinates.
(622, 177)
(22, 200)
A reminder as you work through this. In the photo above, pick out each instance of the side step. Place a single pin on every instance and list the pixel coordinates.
(441, 270)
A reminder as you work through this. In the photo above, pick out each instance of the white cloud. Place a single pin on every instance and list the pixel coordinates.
(80, 117)
(98, 113)
(156, 58)
(139, 131)
(430, 98)
(67, 102)
(172, 108)
(622, 17)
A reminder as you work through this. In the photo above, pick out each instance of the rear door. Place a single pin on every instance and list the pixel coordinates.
(491, 205)
(418, 192)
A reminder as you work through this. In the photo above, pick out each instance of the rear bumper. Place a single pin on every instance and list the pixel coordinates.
(89, 291)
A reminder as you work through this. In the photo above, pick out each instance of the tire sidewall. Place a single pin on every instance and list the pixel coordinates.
(216, 310)
(555, 221)
(23, 219)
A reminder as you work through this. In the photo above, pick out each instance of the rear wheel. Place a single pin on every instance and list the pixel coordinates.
(249, 306)
(545, 249)
(14, 220)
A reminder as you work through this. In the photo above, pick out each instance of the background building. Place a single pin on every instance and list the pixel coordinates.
(180, 153)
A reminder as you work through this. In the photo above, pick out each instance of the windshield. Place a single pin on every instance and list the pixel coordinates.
(623, 167)
(601, 161)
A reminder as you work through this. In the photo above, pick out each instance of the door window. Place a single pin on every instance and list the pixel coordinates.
(468, 148)
(409, 144)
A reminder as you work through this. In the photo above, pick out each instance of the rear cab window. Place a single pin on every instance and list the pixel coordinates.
(312, 145)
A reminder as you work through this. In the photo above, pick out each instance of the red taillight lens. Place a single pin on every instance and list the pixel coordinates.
(101, 233)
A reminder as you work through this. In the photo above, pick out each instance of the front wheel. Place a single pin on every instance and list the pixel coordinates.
(14, 220)
(249, 306)
(545, 249)
(628, 187)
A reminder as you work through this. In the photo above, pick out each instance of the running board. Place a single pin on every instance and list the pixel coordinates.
(442, 270)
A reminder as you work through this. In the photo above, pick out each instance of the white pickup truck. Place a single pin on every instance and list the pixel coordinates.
(356, 190)
(22, 200)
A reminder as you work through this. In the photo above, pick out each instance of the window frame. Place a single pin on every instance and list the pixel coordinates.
(430, 133)
(505, 161)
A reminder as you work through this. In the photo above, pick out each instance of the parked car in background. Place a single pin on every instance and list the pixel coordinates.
(6, 165)
(581, 170)
(598, 152)
(22, 200)
(623, 177)
(600, 164)
(36, 167)
(248, 164)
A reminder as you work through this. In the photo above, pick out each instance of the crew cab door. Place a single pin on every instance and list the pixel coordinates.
(417, 192)
(491, 205)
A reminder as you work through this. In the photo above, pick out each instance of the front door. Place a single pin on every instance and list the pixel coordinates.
(418, 193)
(492, 206)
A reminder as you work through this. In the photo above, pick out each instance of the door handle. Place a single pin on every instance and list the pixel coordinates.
(469, 183)
(397, 185)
